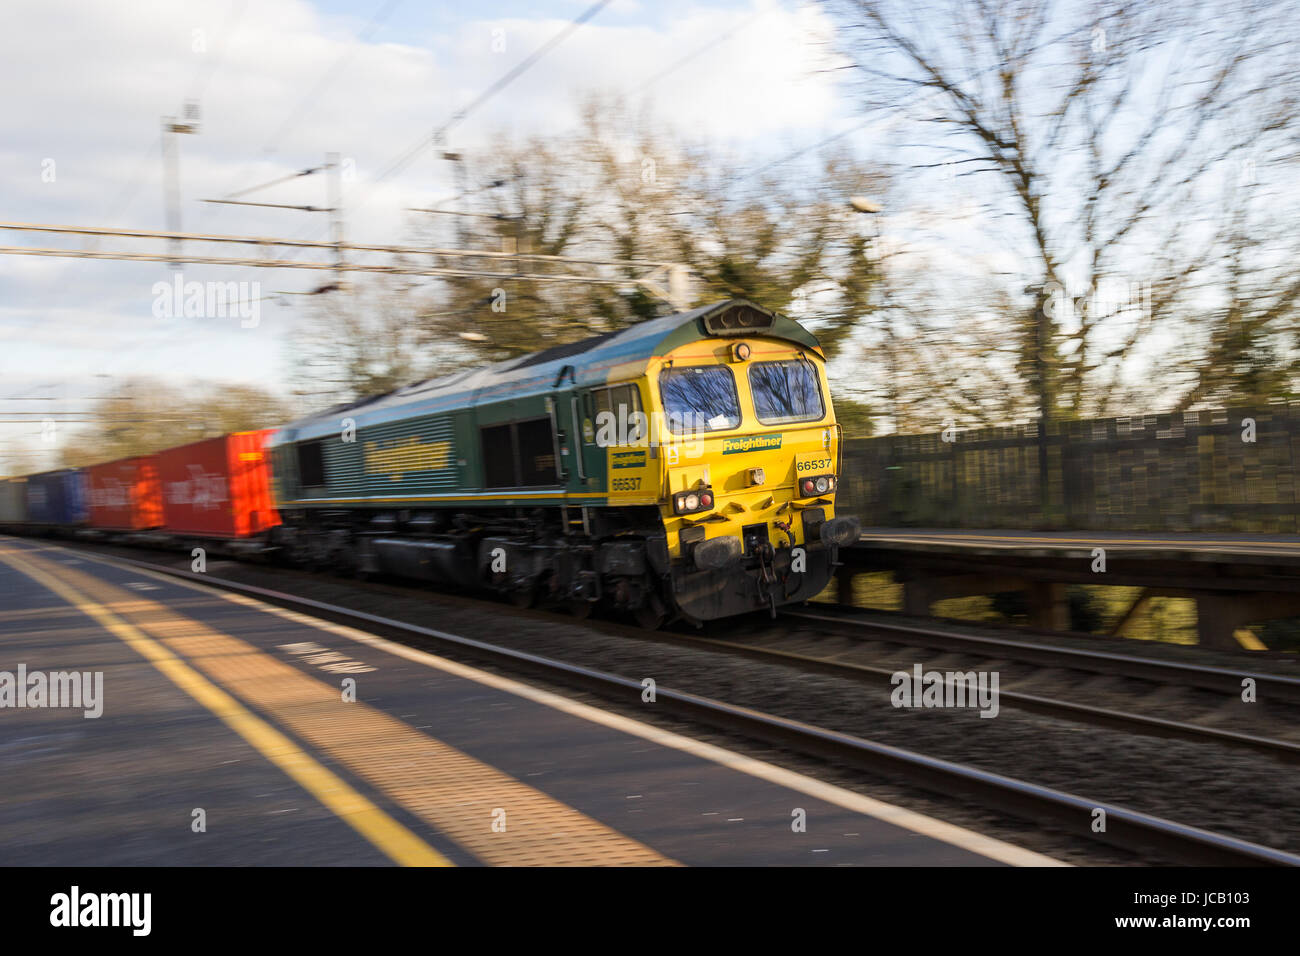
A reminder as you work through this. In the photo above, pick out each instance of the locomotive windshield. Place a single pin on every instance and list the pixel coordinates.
(699, 399)
(785, 392)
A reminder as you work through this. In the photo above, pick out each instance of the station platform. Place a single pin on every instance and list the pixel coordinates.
(231, 732)
(1236, 580)
(1142, 545)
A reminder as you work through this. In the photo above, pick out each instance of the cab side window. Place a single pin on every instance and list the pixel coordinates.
(619, 403)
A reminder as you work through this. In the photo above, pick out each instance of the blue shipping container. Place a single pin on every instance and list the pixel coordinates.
(57, 497)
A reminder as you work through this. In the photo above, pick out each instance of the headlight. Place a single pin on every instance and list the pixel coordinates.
(816, 485)
(688, 502)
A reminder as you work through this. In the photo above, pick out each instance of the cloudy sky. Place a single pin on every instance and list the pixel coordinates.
(84, 85)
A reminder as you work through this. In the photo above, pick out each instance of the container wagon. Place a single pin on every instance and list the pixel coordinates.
(218, 488)
(125, 495)
(57, 499)
(13, 502)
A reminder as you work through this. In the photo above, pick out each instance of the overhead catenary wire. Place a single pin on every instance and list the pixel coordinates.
(653, 271)
(299, 243)
(312, 170)
(207, 68)
(922, 92)
(701, 50)
(295, 115)
(406, 156)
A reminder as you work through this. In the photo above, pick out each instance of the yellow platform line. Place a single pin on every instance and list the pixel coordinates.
(456, 794)
(397, 842)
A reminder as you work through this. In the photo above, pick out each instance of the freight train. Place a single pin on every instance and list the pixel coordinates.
(683, 468)
(216, 491)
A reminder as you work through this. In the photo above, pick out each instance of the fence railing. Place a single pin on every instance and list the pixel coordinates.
(1224, 470)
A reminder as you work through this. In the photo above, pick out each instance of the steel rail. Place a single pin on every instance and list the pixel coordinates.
(1221, 679)
(1047, 706)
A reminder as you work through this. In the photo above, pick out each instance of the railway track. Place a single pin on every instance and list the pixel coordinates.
(1217, 679)
(1126, 829)
(1126, 721)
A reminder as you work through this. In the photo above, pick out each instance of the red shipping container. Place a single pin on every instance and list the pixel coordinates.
(218, 488)
(125, 495)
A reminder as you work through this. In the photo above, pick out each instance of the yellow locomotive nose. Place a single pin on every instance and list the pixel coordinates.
(765, 446)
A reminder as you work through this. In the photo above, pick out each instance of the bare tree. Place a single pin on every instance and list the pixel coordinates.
(366, 341)
(625, 188)
(534, 199)
(143, 416)
(1094, 132)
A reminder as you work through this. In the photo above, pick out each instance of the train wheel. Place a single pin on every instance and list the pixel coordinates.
(580, 608)
(523, 597)
(344, 564)
(651, 615)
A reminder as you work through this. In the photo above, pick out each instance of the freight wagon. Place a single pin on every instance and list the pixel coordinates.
(57, 499)
(13, 502)
(218, 488)
(125, 495)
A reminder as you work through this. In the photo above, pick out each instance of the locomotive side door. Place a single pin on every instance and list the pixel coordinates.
(589, 458)
(623, 442)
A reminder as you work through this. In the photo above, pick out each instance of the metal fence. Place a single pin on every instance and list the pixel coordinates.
(1218, 470)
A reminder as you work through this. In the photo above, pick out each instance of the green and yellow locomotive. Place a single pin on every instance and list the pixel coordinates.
(685, 467)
